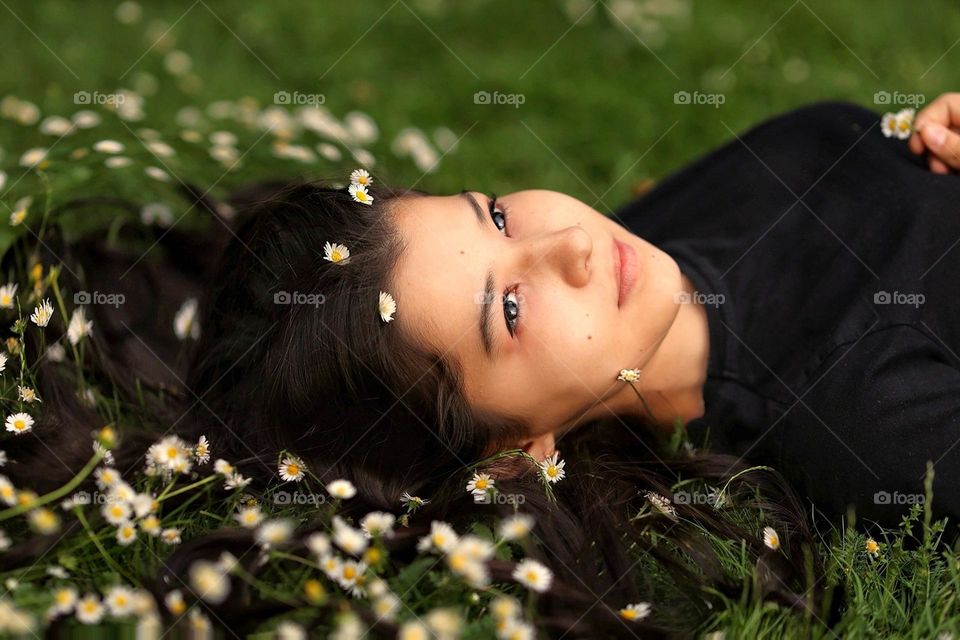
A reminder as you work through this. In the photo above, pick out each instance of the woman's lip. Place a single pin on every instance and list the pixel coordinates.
(626, 269)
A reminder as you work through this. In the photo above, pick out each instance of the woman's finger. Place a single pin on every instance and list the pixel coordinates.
(937, 165)
(943, 143)
(916, 143)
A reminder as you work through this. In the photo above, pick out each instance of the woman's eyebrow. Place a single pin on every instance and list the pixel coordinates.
(477, 209)
(485, 320)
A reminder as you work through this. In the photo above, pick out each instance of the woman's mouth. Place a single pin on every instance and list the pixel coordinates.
(625, 269)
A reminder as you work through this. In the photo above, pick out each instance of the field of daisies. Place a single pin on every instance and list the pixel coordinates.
(132, 100)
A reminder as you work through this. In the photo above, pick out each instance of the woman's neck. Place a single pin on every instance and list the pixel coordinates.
(671, 383)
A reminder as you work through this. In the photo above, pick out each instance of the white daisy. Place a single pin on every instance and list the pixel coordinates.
(117, 162)
(480, 484)
(347, 538)
(412, 502)
(342, 489)
(661, 503)
(108, 146)
(637, 611)
(44, 521)
(42, 313)
(629, 375)
(64, 600)
(904, 123)
(361, 177)
(359, 193)
(119, 600)
(533, 575)
(157, 174)
(274, 532)
(249, 517)
(185, 323)
(171, 535)
(552, 468)
(442, 537)
(202, 451)
(292, 469)
(27, 394)
(388, 306)
(377, 523)
(208, 581)
(89, 610)
(516, 527)
(116, 512)
(174, 602)
(318, 543)
(771, 538)
(19, 423)
(336, 253)
(33, 157)
(888, 124)
(7, 293)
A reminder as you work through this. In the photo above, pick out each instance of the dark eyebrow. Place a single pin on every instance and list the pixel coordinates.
(486, 319)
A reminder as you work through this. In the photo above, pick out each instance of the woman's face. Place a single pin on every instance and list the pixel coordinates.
(557, 336)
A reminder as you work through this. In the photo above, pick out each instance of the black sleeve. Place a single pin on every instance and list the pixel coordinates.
(871, 416)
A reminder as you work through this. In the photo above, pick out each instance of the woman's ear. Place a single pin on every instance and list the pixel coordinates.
(541, 446)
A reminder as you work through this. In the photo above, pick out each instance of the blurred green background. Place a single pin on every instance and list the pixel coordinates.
(597, 80)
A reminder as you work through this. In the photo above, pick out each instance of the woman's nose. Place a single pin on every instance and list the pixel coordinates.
(564, 251)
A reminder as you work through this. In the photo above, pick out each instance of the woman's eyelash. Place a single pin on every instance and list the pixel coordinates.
(496, 208)
(512, 312)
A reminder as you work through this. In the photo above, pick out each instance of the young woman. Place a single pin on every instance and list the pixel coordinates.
(741, 291)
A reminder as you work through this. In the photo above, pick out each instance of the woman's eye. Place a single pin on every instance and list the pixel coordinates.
(511, 311)
(498, 216)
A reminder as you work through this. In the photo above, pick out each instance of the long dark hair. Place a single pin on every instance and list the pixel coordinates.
(293, 355)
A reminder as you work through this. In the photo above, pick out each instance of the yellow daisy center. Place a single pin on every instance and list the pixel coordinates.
(293, 470)
(481, 484)
(19, 424)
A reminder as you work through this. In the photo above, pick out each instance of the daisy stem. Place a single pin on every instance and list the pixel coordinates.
(99, 545)
(290, 556)
(56, 493)
(643, 400)
(264, 587)
(63, 312)
(199, 483)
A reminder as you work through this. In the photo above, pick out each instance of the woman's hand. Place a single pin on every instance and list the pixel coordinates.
(936, 129)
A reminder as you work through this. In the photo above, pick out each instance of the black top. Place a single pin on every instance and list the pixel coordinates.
(827, 255)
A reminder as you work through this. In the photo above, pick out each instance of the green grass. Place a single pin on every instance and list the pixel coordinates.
(598, 120)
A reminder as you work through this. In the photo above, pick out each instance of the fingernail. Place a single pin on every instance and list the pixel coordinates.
(935, 134)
